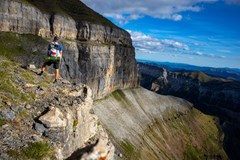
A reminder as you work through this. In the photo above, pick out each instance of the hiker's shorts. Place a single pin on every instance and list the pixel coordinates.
(56, 64)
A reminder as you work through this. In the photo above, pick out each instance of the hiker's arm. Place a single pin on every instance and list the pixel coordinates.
(60, 51)
(60, 55)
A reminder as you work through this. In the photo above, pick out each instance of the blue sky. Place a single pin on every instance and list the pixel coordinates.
(198, 32)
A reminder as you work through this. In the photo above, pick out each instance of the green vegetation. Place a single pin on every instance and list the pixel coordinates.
(2, 122)
(118, 95)
(17, 47)
(18, 86)
(74, 8)
(200, 76)
(129, 150)
(10, 45)
(8, 89)
(177, 133)
(35, 151)
(24, 114)
(191, 136)
(121, 97)
(13, 45)
(192, 152)
(75, 123)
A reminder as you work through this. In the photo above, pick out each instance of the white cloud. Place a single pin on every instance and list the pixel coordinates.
(147, 44)
(199, 53)
(127, 10)
(207, 55)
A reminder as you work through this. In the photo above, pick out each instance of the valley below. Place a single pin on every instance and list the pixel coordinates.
(211, 95)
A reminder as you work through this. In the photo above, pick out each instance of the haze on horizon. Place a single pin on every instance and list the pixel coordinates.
(197, 32)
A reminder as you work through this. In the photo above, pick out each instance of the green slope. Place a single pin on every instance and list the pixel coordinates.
(144, 125)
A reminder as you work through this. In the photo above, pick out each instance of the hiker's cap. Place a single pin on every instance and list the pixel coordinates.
(56, 38)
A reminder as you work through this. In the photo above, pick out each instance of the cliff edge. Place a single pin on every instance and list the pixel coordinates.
(96, 52)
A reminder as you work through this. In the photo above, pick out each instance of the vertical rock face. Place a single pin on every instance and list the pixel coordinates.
(103, 67)
(23, 18)
(100, 56)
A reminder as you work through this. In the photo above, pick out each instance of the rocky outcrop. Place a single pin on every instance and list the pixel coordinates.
(152, 126)
(100, 56)
(37, 111)
(69, 123)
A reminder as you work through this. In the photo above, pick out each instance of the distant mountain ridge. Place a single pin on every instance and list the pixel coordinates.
(228, 73)
(212, 95)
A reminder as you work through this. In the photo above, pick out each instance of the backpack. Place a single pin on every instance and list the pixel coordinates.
(53, 51)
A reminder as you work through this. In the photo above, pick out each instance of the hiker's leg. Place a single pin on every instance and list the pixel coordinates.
(56, 74)
(56, 66)
(44, 67)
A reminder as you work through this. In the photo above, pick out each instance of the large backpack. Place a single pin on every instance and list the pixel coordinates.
(53, 51)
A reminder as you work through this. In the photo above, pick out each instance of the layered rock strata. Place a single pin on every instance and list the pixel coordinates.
(100, 56)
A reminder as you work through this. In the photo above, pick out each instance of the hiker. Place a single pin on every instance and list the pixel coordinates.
(54, 57)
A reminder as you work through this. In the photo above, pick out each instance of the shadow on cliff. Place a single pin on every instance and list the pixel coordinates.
(80, 152)
(229, 122)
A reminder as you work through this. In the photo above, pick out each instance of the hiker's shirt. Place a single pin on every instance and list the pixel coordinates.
(54, 51)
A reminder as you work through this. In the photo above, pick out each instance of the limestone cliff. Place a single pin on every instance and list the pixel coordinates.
(144, 125)
(46, 121)
(96, 52)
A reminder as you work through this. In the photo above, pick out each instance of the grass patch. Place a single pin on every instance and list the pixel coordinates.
(118, 95)
(15, 46)
(35, 151)
(24, 114)
(9, 88)
(122, 98)
(192, 153)
(75, 123)
(2, 122)
(128, 148)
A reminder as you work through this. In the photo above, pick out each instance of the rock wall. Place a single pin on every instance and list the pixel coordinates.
(69, 122)
(21, 17)
(100, 56)
(103, 67)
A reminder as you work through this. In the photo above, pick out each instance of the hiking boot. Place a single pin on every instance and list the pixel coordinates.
(55, 81)
(40, 74)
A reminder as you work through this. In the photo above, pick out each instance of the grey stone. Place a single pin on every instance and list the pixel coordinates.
(39, 127)
(8, 115)
(27, 106)
(32, 66)
(120, 155)
(4, 156)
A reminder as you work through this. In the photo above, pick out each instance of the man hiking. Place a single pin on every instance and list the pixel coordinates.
(54, 57)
